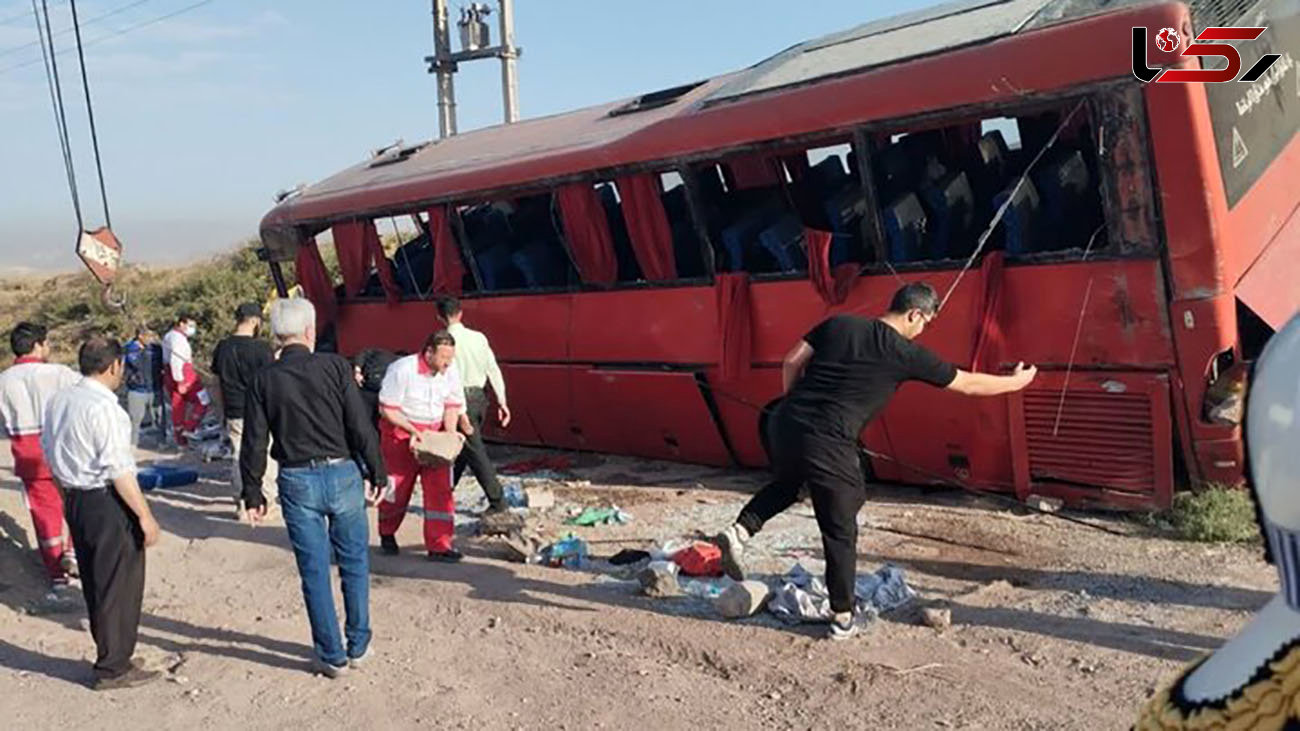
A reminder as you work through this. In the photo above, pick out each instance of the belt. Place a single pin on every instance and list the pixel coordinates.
(480, 389)
(313, 463)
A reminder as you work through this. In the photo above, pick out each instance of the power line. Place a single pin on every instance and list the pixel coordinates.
(65, 31)
(114, 34)
(23, 14)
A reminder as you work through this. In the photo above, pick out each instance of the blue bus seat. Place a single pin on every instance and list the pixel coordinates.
(905, 226)
(1020, 223)
(951, 205)
(784, 241)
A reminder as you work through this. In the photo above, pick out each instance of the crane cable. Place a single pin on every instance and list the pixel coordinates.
(54, 82)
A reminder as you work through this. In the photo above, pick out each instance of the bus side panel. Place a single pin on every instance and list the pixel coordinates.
(402, 327)
(1203, 308)
(675, 325)
(646, 414)
(1117, 309)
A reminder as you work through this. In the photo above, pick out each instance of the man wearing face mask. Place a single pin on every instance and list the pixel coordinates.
(235, 362)
(836, 380)
(181, 380)
(421, 392)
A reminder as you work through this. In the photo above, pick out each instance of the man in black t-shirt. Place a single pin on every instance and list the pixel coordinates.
(235, 361)
(836, 380)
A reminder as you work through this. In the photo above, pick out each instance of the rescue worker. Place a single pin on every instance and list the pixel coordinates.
(836, 380)
(87, 441)
(420, 392)
(478, 368)
(181, 381)
(25, 389)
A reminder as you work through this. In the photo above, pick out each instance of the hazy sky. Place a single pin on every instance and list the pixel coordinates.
(204, 116)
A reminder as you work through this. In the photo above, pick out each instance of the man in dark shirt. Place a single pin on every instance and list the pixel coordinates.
(836, 380)
(309, 404)
(235, 362)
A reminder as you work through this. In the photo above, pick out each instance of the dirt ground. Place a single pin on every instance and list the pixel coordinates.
(1054, 625)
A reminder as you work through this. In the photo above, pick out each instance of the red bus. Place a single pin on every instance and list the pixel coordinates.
(643, 266)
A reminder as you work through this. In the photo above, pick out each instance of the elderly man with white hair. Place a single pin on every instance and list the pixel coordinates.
(308, 405)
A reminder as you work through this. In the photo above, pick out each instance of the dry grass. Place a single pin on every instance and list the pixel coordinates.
(71, 305)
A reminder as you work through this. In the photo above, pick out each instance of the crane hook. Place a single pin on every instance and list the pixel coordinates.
(112, 299)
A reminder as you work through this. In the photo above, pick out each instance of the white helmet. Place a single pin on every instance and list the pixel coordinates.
(1273, 441)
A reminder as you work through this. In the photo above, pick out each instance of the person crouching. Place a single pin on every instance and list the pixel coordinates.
(420, 392)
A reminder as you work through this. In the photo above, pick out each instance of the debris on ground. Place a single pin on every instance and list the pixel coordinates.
(515, 547)
(629, 556)
(939, 618)
(659, 580)
(500, 523)
(802, 597)
(1045, 504)
(704, 588)
(742, 599)
(599, 516)
(699, 559)
(538, 498)
(155, 476)
(569, 552)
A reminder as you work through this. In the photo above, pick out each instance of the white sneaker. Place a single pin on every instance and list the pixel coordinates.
(732, 543)
(332, 672)
(356, 662)
(842, 629)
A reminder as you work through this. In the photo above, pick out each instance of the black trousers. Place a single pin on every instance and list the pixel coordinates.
(832, 471)
(474, 455)
(110, 554)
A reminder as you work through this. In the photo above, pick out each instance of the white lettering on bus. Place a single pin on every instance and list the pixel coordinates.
(1256, 91)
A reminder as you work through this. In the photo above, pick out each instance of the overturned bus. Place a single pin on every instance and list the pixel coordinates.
(643, 266)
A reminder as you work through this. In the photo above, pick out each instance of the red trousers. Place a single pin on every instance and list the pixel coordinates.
(435, 483)
(43, 500)
(187, 409)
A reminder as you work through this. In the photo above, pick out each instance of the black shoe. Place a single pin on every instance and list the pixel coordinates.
(388, 545)
(452, 556)
(132, 678)
(496, 509)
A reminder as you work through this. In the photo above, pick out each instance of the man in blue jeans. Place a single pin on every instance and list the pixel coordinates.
(309, 403)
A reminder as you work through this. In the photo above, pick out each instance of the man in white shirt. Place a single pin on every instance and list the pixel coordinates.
(478, 368)
(421, 392)
(87, 441)
(25, 388)
(181, 381)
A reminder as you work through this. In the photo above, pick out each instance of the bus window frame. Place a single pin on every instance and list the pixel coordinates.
(1125, 93)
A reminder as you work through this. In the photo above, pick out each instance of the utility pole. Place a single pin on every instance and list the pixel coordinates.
(441, 63)
(475, 44)
(509, 58)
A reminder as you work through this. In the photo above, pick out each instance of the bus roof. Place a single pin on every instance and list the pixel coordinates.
(748, 106)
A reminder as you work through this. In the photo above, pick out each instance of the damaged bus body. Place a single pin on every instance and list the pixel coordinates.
(643, 266)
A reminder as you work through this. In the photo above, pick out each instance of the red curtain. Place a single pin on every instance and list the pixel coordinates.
(448, 271)
(351, 255)
(735, 327)
(647, 226)
(833, 285)
(357, 245)
(588, 233)
(315, 281)
(988, 343)
(374, 254)
(753, 171)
